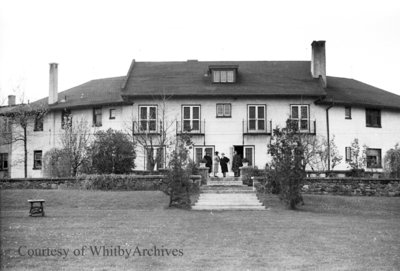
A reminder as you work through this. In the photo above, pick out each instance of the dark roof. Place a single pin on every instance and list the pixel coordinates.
(255, 78)
(105, 91)
(346, 91)
(188, 79)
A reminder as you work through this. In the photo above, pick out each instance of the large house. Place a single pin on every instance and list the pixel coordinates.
(225, 106)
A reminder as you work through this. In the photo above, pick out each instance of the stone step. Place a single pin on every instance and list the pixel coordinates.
(228, 196)
(227, 208)
(227, 191)
(226, 179)
(226, 187)
(223, 202)
(224, 183)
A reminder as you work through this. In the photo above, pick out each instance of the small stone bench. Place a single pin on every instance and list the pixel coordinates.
(37, 208)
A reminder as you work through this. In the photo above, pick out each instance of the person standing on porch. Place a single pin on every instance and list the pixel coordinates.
(236, 164)
(216, 164)
(224, 164)
(209, 162)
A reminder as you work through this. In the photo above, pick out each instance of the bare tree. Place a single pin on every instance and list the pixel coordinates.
(16, 121)
(75, 141)
(150, 133)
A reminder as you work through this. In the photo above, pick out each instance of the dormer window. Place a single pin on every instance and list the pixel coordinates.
(224, 73)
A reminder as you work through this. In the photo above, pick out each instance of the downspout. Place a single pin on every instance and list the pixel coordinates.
(328, 136)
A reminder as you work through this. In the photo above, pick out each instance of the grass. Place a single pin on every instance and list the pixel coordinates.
(328, 233)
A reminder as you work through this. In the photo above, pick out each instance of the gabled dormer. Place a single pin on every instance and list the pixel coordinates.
(223, 74)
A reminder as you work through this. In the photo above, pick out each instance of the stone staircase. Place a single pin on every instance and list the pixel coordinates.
(227, 194)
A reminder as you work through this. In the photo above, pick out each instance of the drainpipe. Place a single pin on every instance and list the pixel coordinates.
(328, 136)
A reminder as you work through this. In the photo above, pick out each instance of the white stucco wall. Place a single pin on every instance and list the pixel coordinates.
(346, 130)
(220, 133)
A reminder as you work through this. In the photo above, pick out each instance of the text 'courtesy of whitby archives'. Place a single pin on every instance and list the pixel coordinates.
(101, 251)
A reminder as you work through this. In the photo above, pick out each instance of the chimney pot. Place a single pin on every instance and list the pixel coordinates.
(11, 100)
(53, 83)
(318, 60)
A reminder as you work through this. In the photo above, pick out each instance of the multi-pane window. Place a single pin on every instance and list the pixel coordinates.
(248, 154)
(191, 118)
(348, 153)
(97, 117)
(373, 117)
(112, 113)
(37, 159)
(38, 123)
(347, 112)
(66, 118)
(201, 151)
(223, 76)
(3, 161)
(155, 157)
(224, 110)
(6, 124)
(374, 158)
(300, 117)
(256, 118)
(148, 118)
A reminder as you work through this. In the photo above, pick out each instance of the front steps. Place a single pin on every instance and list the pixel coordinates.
(227, 194)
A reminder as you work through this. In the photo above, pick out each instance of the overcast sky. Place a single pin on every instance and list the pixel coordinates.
(98, 39)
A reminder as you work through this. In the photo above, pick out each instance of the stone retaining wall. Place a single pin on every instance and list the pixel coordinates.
(352, 186)
(96, 182)
(344, 186)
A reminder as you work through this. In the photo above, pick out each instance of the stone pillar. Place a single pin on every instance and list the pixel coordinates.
(203, 171)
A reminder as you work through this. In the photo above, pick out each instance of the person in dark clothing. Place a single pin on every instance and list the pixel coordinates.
(209, 162)
(224, 164)
(236, 164)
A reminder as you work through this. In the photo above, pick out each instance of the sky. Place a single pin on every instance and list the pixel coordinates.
(99, 39)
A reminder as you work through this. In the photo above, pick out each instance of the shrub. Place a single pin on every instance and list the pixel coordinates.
(56, 163)
(287, 154)
(392, 162)
(120, 182)
(112, 152)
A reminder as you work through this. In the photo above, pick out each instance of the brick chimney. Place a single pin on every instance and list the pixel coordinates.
(53, 83)
(11, 100)
(318, 61)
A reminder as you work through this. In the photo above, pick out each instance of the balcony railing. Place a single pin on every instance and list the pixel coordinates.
(257, 127)
(192, 127)
(143, 127)
(306, 127)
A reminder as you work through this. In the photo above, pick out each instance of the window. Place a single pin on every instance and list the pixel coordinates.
(249, 155)
(373, 117)
(38, 123)
(256, 118)
(155, 157)
(348, 153)
(223, 76)
(112, 114)
(97, 117)
(223, 110)
(191, 118)
(374, 158)
(3, 161)
(37, 159)
(148, 118)
(347, 112)
(6, 122)
(300, 117)
(66, 118)
(201, 151)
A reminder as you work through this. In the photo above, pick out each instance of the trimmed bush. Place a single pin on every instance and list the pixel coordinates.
(122, 182)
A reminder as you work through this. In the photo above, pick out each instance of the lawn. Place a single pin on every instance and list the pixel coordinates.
(328, 233)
